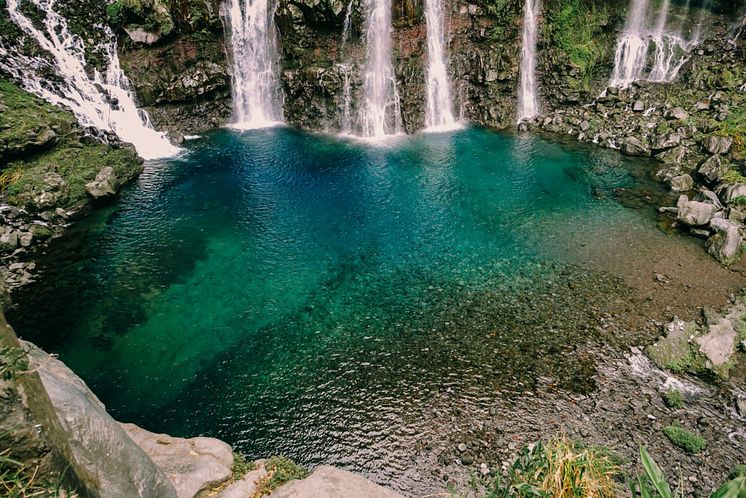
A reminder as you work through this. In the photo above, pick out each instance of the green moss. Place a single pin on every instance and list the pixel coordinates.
(577, 27)
(280, 470)
(733, 176)
(673, 399)
(241, 465)
(685, 439)
(25, 116)
(76, 164)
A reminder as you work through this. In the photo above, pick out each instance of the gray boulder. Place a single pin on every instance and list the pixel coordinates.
(632, 146)
(139, 35)
(717, 144)
(695, 213)
(725, 244)
(103, 457)
(105, 184)
(672, 156)
(713, 168)
(682, 183)
(193, 466)
(330, 482)
(719, 342)
(638, 106)
(678, 113)
(667, 141)
(732, 191)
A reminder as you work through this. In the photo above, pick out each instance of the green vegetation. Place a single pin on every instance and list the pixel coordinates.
(241, 465)
(13, 361)
(577, 27)
(653, 483)
(559, 468)
(733, 176)
(673, 399)
(19, 481)
(685, 439)
(280, 470)
(739, 201)
(153, 15)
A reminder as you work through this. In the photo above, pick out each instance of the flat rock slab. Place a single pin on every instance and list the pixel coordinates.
(194, 466)
(244, 487)
(330, 482)
(719, 342)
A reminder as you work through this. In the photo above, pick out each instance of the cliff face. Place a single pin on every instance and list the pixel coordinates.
(182, 74)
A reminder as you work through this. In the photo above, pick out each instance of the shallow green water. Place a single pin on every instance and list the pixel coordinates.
(297, 294)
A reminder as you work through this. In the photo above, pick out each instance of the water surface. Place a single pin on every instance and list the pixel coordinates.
(297, 294)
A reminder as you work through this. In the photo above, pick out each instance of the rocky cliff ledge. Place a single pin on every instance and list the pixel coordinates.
(57, 429)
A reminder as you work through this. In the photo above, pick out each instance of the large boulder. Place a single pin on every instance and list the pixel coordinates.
(673, 156)
(713, 168)
(717, 144)
(695, 213)
(725, 245)
(193, 466)
(719, 342)
(330, 482)
(105, 184)
(682, 183)
(101, 454)
(673, 350)
(632, 146)
(729, 192)
(667, 141)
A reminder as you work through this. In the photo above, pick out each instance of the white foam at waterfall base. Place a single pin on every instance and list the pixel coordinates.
(100, 100)
(528, 105)
(257, 100)
(438, 113)
(380, 115)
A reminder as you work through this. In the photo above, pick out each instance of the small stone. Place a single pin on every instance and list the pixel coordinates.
(467, 459)
(16, 267)
(638, 106)
(462, 447)
(484, 469)
(678, 113)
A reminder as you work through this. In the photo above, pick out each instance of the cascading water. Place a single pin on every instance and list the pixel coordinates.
(381, 113)
(346, 99)
(632, 47)
(528, 105)
(670, 48)
(100, 100)
(438, 114)
(257, 100)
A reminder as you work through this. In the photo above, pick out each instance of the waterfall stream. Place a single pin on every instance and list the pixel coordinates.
(439, 111)
(380, 114)
(528, 105)
(102, 100)
(670, 48)
(257, 98)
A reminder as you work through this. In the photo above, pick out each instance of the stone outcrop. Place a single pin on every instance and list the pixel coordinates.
(100, 453)
(193, 466)
(330, 482)
(105, 184)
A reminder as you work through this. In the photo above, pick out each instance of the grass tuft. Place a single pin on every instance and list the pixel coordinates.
(673, 399)
(685, 439)
(280, 470)
(241, 465)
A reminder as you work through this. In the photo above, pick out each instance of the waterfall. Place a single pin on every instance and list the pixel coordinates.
(103, 101)
(257, 98)
(528, 106)
(439, 114)
(381, 114)
(670, 48)
(632, 47)
(346, 127)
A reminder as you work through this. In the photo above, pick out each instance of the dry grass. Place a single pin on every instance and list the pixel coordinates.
(574, 472)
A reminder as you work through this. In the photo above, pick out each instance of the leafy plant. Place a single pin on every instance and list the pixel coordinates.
(13, 361)
(685, 439)
(673, 398)
(653, 483)
(560, 468)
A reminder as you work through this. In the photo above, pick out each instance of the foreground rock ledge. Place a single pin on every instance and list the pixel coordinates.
(113, 460)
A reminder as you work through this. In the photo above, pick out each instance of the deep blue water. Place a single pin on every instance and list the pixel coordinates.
(298, 294)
